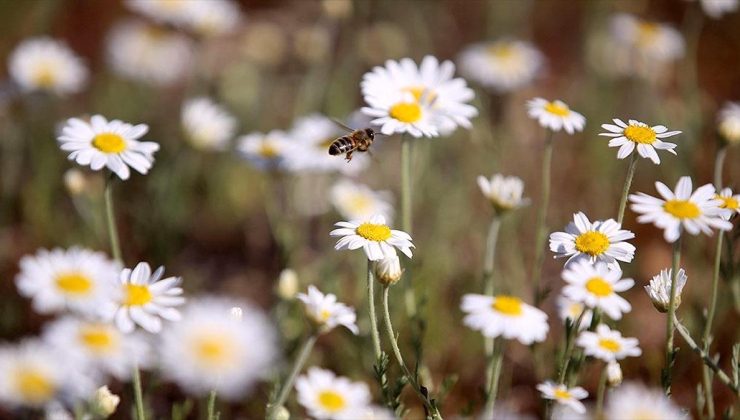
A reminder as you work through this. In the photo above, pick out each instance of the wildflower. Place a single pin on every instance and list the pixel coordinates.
(716, 8)
(659, 288)
(326, 313)
(729, 122)
(104, 402)
(555, 115)
(388, 270)
(695, 212)
(730, 202)
(635, 401)
(210, 350)
(76, 279)
(598, 241)
(325, 395)
(614, 374)
(355, 201)
(607, 344)
(596, 286)
(504, 192)
(373, 236)
(502, 66)
(161, 11)
(564, 395)
(146, 299)
(288, 282)
(655, 41)
(570, 309)
(211, 17)
(265, 151)
(311, 136)
(113, 144)
(207, 125)
(45, 64)
(505, 316)
(641, 136)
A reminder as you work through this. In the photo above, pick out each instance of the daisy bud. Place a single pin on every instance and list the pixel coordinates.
(388, 270)
(659, 289)
(287, 284)
(104, 402)
(281, 413)
(75, 182)
(614, 374)
(729, 123)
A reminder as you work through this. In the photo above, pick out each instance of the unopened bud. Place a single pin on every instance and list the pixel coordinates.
(614, 374)
(659, 289)
(104, 402)
(388, 270)
(75, 182)
(287, 284)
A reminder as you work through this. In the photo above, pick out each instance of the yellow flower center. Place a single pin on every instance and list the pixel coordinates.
(574, 310)
(214, 351)
(324, 315)
(507, 305)
(501, 51)
(640, 134)
(599, 287)
(562, 394)
(646, 32)
(407, 112)
(332, 401)
(373, 232)
(643, 414)
(33, 386)
(74, 283)
(592, 243)
(137, 295)
(682, 209)
(267, 150)
(728, 202)
(109, 143)
(422, 94)
(97, 338)
(609, 344)
(45, 77)
(561, 110)
(360, 203)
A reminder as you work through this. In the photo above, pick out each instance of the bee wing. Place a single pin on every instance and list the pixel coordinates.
(341, 124)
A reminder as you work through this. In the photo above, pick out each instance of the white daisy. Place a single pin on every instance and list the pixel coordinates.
(209, 349)
(716, 8)
(729, 202)
(654, 41)
(266, 151)
(326, 396)
(113, 144)
(659, 288)
(162, 11)
(641, 136)
(555, 115)
(502, 66)
(146, 299)
(602, 240)
(207, 125)
(694, 212)
(570, 309)
(373, 236)
(607, 344)
(505, 316)
(633, 401)
(324, 311)
(355, 201)
(564, 395)
(596, 286)
(729, 122)
(504, 192)
(48, 65)
(211, 17)
(311, 136)
(77, 279)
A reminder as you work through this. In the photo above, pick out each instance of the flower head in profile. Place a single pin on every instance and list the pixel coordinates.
(685, 209)
(505, 316)
(640, 136)
(266, 151)
(502, 66)
(204, 17)
(564, 395)
(504, 192)
(596, 286)
(555, 115)
(45, 64)
(659, 288)
(112, 144)
(376, 238)
(730, 202)
(355, 201)
(635, 401)
(326, 313)
(598, 241)
(327, 396)
(728, 122)
(652, 41)
(207, 125)
(607, 344)
(571, 310)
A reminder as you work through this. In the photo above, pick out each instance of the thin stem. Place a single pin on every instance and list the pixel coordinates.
(569, 341)
(272, 409)
(600, 393)
(374, 332)
(541, 232)
(495, 366)
(406, 223)
(110, 214)
(721, 375)
(627, 185)
(212, 405)
(138, 395)
(719, 163)
(671, 316)
(488, 285)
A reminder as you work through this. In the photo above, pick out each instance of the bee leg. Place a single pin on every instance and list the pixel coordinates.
(349, 156)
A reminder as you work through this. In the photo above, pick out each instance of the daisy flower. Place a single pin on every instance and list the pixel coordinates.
(373, 236)
(555, 115)
(681, 210)
(326, 313)
(730, 202)
(504, 192)
(655, 41)
(503, 65)
(326, 396)
(146, 299)
(211, 17)
(596, 286)
(641, 136)
(77, 279)
(266, 151)
(207, 125)
(598, 241)
(659, 288)
(607, 344)
(570, 309)
(716, 8)
(355, 201)
(729, 122)
(505, 316)
(633, 401)
(312, 135)
(45, 64)
(113, 144)
(162, 11)
(564, 395)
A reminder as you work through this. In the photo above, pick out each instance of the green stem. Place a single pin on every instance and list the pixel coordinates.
(110, 214)
(495, 367)
(138, 395)
(671, 316)
(374, 332)
(627, 185)
(488, 285)
(721, 375)
(212, 405)
(600, 393)
(569, 342)
(406, 223)
(719, 163)
(541, 232)
(272, 409)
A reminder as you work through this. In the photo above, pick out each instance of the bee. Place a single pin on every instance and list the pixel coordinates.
(356, 141)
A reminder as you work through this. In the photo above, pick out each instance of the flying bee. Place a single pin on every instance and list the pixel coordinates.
(356, 141)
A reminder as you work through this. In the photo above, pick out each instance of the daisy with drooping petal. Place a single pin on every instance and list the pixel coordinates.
(596, 286)
(653, 41)
(146, 299)
(607, 344)
(729, 201)
(697, 211)
(563, 395)
(326, 396)
(46, 64)
(266, 151)
(598, 241)
(716, 8)
(633, 401)
(355, 201)
(555, 115)
(505, 316)
(728, 122)
(659, 288)
(207, 125)
(211, 350)
(326, 312)
(373, 236)
(503, 65)
(113, 144)
(76, 279)
(570, 309)
(640, 136)
(504, 192)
